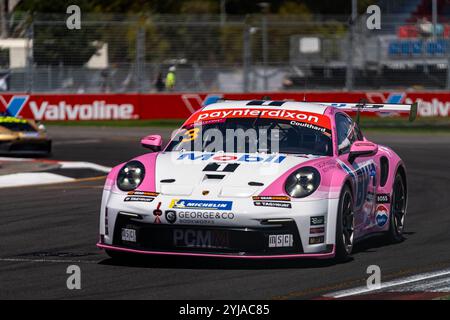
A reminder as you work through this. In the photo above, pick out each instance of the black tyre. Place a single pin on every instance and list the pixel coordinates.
(345, 225)
(49, 149)
(398, 211)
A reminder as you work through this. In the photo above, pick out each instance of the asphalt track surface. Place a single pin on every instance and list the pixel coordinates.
(45, 229)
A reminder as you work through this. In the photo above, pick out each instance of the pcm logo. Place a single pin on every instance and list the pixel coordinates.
(200, 239)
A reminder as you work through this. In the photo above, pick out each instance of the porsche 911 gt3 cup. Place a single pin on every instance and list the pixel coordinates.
(257, 179)
(22, 136)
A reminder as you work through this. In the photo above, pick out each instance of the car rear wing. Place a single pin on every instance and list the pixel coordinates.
(410, 109)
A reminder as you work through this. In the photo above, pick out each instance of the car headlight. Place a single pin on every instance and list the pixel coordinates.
(130, 176)
(41, 127)
(302, 182)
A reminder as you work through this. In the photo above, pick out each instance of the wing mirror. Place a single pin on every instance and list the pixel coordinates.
(362, 149)
(152, 142)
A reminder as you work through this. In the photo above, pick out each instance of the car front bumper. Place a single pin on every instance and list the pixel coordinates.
(26, 146)
(250, 234)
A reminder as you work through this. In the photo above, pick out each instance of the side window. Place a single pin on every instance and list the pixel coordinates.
(347, 132)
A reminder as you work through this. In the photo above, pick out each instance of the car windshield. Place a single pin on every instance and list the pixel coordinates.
(248, 135)
(17, 125)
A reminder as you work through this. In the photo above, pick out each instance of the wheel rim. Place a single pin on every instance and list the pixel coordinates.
(347, 222)
(399, 206)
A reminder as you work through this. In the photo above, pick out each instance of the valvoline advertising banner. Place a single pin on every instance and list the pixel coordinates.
(79, 107)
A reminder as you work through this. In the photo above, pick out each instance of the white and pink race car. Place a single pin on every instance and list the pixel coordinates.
(258, 179)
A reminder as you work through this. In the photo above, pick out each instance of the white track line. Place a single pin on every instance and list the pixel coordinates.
(66, 164)
(83, 165)
(30, 179)
(23, 179)
(15, 159)
(46, 260)
(432, 285)
(390, 284)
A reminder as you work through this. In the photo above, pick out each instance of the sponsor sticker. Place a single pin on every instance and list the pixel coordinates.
(171, 216)
(203, 217)
(95, 110)
(201, 204)
(143, 193)
(317, 240)
(201, 238)
(272, 204)
(157, 213)
(381, 215)
(311, 126)
(281, 240)
(138, 199)
(247, 158)
(274, 198)
(264, 113)
(128, 235)
(383, 198)
(317, 230)
(316, 221)
(140, 196)
(30, 134)
(12, 120)
(326, 166)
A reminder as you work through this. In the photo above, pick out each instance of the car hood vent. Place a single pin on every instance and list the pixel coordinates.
(211, 176)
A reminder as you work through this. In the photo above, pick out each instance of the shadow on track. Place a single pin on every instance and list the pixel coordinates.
(216, 263)
(373, 243)
(172, 262)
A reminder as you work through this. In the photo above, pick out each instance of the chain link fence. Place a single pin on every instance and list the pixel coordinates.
(117, 53)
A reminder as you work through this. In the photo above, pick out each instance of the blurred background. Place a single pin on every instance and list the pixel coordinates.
(223, 45)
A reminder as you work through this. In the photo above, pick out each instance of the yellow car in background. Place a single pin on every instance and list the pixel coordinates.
(22, 136)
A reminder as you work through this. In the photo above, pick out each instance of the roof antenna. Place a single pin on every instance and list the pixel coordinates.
(359, 106)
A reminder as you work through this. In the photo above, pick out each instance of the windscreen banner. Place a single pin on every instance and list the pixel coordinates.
(83, 107)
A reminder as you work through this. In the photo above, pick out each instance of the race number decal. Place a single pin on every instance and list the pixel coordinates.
(190, 134)
(221, 167)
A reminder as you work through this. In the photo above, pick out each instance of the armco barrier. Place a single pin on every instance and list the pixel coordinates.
(79, 107)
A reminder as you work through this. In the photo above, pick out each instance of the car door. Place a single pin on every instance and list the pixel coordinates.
(362, 171)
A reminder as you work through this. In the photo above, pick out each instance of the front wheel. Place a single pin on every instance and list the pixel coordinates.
(345, 225)
(398, 211)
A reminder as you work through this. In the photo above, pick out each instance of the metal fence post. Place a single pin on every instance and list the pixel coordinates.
(448, 65)
(3, 22)
(434, 17)
(351, 38)
(265, 49)
(140, 58)
(246, 58)
(29, 66)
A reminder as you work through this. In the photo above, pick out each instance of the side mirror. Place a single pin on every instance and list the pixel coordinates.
(152, 142)
(362, 149)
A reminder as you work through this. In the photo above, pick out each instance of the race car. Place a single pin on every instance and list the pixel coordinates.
(258, 180)
(22, 136)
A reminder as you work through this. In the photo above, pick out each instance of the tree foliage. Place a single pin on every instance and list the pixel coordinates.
(54, 44)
